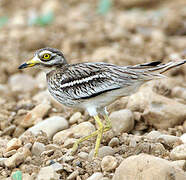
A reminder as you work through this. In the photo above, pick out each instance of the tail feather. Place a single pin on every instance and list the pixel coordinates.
(153, 70)
(157, 67)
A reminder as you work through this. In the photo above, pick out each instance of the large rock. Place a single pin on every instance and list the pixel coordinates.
(159, 111)
(50, 126)
(147, 167)
(122, 121)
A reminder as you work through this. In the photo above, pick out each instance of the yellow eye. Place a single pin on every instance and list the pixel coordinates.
(46, 56)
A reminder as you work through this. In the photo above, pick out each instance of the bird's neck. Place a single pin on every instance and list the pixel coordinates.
(48, 69)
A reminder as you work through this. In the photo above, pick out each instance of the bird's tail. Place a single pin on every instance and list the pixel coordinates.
(155, 69)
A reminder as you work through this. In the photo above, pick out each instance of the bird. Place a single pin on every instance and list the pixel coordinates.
(92, 86)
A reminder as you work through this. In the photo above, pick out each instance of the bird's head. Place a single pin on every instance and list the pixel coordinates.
(45, 58)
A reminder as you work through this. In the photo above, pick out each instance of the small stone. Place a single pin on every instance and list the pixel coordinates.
(95, 176)
(169, 140)
(18, 131)
(42, 96)
(2, 161)
(153, 135)
(69, 142)
(57, 167)
(67, 158)
(17, 158)
(28, 146)
(73, 175)
(179, 163)
(50, 126)
(9, 153)
(62, 136)
(183, 138)
(122, 121)
(103, 151)
(47, 173)
(37, 148)
(13, 144)
(35, 115)
(27, 176)
(9, 130)
(81, 130)
(179, 152)
(83, 155)
(74, 118)
(22, 82)
(132, 143)
(108, 163)
(114, 142)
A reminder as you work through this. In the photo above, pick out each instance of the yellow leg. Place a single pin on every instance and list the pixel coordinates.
(108, 123)
(100, 134)
(75, 146)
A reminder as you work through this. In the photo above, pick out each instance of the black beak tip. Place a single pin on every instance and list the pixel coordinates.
(22, 66)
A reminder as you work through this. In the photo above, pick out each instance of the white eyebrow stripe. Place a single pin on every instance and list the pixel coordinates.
(80, 81)
(44, 52)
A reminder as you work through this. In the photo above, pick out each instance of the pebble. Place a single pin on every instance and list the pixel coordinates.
(82, 129)
(169, 140)
(109, 163)
(159, 111)
(27, 176)
(17, 158)
(114, 142)
(9, 130)
(183, 138)
(179, 163)
(122, 121)
(74, 118)
(73, 175)
(57, 167)
(13, 144)
(50, 126)
(96, 176)
(69, 142)
(47, 173)
(9, 153)
(2, 161)
(42, 96)
(153, 135)
(83, 155)
(37, 148)
(35, 115)
(22, 82)
(150, 167)
(179, 152)
(103, 151)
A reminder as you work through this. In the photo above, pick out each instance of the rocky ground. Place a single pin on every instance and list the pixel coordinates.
(148, 136)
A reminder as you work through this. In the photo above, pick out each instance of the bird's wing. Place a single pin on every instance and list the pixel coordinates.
(85, 80)
(82, 81)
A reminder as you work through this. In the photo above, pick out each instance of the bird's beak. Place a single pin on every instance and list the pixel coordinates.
(30, 63)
